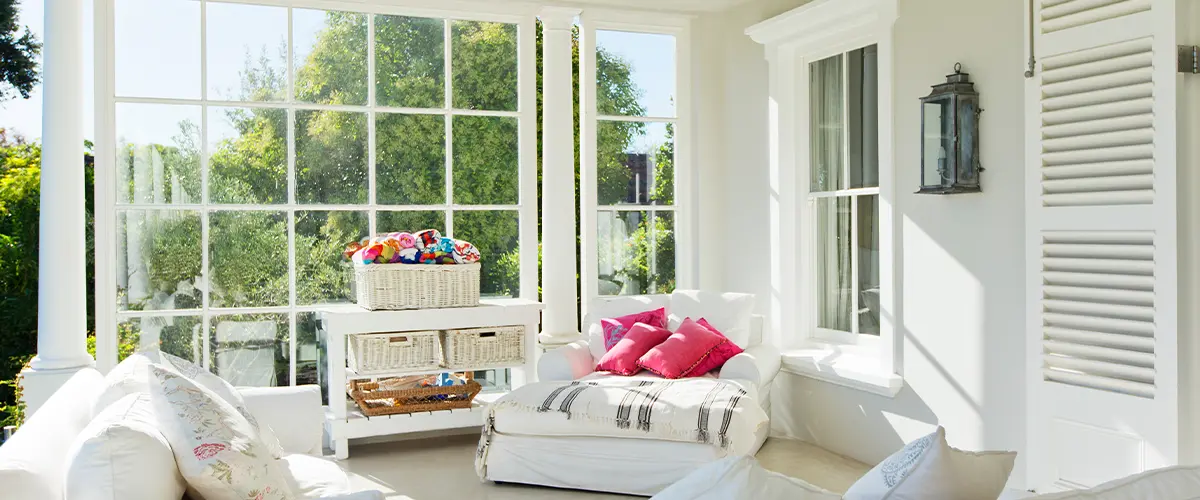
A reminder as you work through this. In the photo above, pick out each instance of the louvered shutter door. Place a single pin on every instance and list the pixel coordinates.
(1101, 240)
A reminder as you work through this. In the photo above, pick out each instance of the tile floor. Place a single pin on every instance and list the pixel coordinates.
(443, 468)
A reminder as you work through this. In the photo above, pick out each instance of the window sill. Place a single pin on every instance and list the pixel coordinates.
(844, 366)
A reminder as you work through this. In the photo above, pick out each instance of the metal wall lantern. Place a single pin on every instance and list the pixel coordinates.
(950, 137)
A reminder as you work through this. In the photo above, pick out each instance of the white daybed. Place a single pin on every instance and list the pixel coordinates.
(521, 450)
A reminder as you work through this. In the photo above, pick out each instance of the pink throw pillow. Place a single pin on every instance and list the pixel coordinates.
(683, 351)
(622, 359)
(616, 328)
(718, 356)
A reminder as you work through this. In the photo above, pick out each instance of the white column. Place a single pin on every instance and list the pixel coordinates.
(62, 302)
(560, 318)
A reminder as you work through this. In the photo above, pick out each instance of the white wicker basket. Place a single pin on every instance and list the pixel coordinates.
(416, 286)
(373, 353)
(475, 348)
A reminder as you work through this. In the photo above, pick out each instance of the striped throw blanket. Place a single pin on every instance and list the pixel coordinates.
(701, 410)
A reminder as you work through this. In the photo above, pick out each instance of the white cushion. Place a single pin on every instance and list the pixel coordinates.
(930, 468)
(1171, 483)
(312, 477)
(216, 449)
(612, 307)
(730, 313)
(131, 376)
(741, 478)
(122, 454)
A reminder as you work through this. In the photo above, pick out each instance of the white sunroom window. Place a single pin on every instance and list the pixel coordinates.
(844, 193)
(252, 142)
(635, 177)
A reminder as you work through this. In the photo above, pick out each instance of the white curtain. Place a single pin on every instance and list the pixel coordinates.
(835, 292)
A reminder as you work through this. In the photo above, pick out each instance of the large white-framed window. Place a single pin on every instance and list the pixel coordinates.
(832, 191)
(241, 145)
(635, 174)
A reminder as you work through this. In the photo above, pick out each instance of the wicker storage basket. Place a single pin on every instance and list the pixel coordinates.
(416, 286)
(374, 400)
(372, 353)
(478, 348)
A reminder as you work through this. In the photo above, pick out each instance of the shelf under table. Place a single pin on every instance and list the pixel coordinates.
(358, 425)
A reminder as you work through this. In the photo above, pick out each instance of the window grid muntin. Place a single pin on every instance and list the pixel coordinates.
(291, 105)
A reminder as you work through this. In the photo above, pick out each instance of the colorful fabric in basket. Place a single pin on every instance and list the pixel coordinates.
(423, 247)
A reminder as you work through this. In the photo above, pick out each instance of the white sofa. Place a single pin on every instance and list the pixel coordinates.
(33, 463)
(628, 465)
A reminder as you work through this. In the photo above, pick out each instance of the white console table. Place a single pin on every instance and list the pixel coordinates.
(343, 419)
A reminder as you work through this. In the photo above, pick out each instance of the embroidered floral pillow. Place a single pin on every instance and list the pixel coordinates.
(216, 449)
(616, 328)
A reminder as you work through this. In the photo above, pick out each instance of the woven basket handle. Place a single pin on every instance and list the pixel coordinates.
(492, 336)
(399, 339)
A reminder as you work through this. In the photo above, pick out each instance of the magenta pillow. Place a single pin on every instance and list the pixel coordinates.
(622, 359)
(683, 351)
(616, 328)
(718, 356)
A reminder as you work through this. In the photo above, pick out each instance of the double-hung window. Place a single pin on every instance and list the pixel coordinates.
(843, 195)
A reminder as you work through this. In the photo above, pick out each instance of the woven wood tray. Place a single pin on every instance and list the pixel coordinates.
(374, 401)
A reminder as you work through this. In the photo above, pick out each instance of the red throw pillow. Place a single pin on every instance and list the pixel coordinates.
(718, 356)
(615, 329)
(622, 359)
(683, 351)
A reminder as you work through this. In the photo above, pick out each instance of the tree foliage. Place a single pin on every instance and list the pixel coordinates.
(19, 51)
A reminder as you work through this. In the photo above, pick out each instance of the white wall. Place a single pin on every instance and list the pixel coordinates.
(960, 259)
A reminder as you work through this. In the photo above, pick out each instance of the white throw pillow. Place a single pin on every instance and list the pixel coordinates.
(728, 312)
(930, 468)
(312, 477)
(122, 454)
(741, 478)
(131, 376)
(217, 451)
(1171, 483)
(613, 307)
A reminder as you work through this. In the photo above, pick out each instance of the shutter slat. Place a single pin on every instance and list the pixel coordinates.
(1083, 351)
(1099, 198)
(1134, 313)
(1101, 169)
(1130, 297)
(1096, 382)
(1102, 96)
(1098, 280)
(1103, 13)
(1107, 266)
(1116, 153)
(1102, 368)
(1117, 124)
(1117, 78)
(1113, 340)
(1106, 325)
(1091, 184)
(1099, 112)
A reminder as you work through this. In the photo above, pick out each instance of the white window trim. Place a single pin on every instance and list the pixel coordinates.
(809, 33)
(684, 208)
(107, 316)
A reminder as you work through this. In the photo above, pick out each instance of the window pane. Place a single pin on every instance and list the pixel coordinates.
(835, 301)
(247, 52)
(826, 134)
(636, 252)
(484, 62)
(495, 234)
(250, 350)
(158, 260)
(311, 364)
(322, 273)
(410, 221)
(331, 56)
(635, 163)
(248, 259)
(157, 48)
(331, 157)
(410, 166)
(247, 155)
(485, 160)
(177, 335)
(635, 74)
(410, 62)
(158, 153)
(868, 264)
(864, 118)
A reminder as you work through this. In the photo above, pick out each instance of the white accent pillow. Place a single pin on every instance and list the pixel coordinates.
(1170, 483)
(312, 477)
(217, 451)
(131, 376)
(612, 307)
(930, 468)
(741, 478)
(728, 312)
(122, 454)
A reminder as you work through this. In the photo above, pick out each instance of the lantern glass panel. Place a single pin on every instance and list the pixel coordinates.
(968, 114)
(937, 144)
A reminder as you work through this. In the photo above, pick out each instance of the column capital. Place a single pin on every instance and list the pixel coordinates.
(558, 18)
